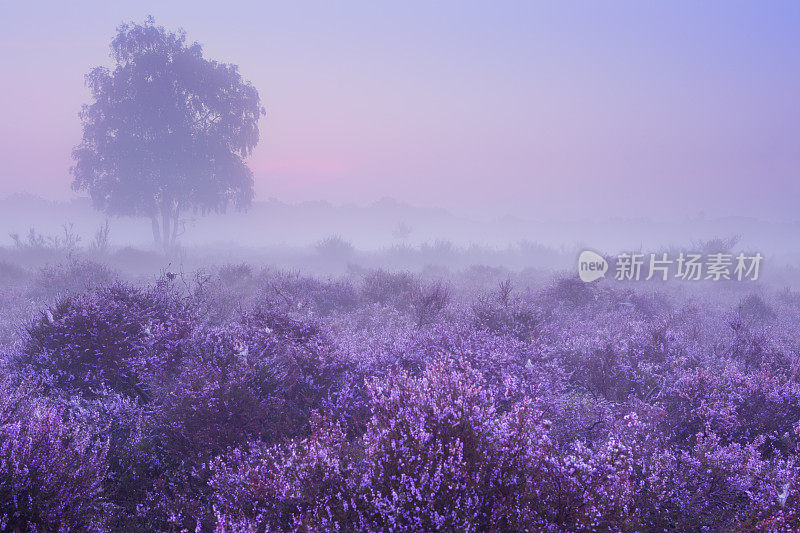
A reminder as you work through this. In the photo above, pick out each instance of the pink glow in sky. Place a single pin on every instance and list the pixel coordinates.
(477, 107)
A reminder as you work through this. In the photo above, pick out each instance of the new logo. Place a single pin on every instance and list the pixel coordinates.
(591, 266)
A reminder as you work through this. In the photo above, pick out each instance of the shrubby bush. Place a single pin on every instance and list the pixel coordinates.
(429, 302)
(435, 456)
(423, 301)
(309, 295)
(754, 307)
(504, 313)
(334, 248)
(74, 277)
(258, 379)
(117, 338)
(395, 289)
(242, 400)
(571, 292)
(52, 473)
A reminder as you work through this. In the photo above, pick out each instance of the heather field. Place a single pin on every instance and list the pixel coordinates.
(244, 398)
(402, 267)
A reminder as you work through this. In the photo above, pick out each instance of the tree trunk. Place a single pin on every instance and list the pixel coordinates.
(165, 219)
(174, 227)
(156, 230)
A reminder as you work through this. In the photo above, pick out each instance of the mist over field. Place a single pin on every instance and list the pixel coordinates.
(403, 267)
(274, 230)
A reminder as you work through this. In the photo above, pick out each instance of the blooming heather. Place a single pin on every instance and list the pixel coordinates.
(255, 401)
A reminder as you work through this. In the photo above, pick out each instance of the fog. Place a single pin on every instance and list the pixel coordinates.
(411, 266)
(323, 238)
(516, 138)
(543, 113)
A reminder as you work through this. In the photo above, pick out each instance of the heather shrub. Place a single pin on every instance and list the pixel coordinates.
(118, 338)
(778, 507)
(262, 488)
(612, 373)
(15, 309)
(235, 290)
(295, 361)
(75, 277)
(434, 456)
(756, 344)
(498, 358)
(217, 298)
(643, 305)
(334, 248)
(51, 472)
(389, 288)
(611, 356)
(571, 292)
(754, 307)
(543, 489)
(202, 412)
(236, 400)
(428, 302)
(424, 437)
(233, 274)
(711, 486)
(123, 423)
(310, 295)
(259, 379)
(503, 313)
(738, 407)
(212, 407)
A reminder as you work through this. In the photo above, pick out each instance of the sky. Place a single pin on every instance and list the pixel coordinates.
(538, 110)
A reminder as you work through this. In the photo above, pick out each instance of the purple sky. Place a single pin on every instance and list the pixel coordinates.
(482, 107)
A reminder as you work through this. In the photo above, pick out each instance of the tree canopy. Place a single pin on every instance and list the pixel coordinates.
(167, 131)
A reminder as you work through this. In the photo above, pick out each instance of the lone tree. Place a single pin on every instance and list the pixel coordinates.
(167, 132)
